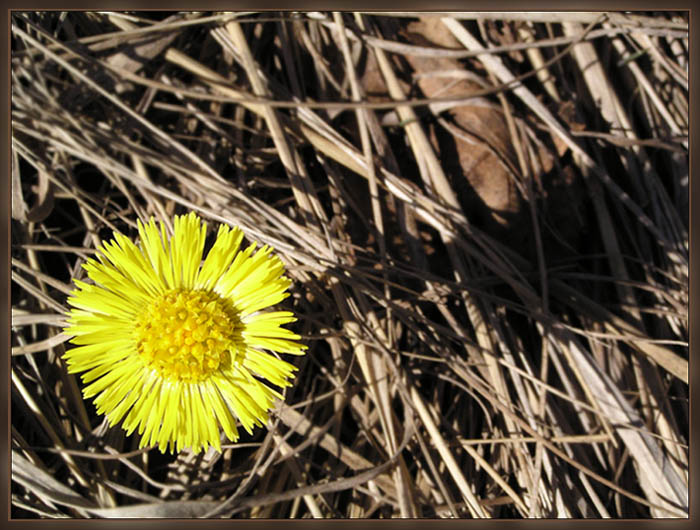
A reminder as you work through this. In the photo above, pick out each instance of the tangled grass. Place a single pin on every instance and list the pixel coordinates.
(485, 216)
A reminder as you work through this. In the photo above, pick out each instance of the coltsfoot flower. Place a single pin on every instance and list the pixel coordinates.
(178, 347)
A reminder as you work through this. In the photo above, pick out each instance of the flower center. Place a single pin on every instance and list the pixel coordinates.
(187, 335)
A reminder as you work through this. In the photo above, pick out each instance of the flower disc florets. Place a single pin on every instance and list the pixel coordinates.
(187, 335)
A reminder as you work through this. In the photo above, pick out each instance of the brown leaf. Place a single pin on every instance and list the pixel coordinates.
(477, 152)
(43, 204)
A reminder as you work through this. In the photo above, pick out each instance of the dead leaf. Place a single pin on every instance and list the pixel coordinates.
(43, 203)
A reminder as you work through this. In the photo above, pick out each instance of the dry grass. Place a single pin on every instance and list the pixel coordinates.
(486, 218)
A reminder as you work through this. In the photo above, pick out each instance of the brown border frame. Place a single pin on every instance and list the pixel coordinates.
(407, 5)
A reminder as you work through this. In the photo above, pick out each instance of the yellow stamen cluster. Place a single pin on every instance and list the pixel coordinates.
(186, 335)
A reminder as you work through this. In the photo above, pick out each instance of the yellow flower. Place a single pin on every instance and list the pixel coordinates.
(176, 346)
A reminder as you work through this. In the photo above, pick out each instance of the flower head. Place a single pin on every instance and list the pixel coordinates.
(178, 347)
